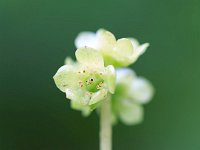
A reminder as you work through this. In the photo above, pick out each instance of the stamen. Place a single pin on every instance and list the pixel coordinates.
(98, 87)
(81, 84)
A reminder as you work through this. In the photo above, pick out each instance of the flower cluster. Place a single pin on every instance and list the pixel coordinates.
(97, 75)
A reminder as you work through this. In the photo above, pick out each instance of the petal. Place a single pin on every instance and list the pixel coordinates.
(142, 48)
(125, 75)
(98, 96)
(69, 61)
(65, 77)
(86, 39)
(141, 90)
(105, 39)
(130, 113)
(117, 53)
(89, 57)
(134, 42)
(110, 78)
(120, 54)
(78, 95)
(85, 109)
(139, 49)
(123, 48)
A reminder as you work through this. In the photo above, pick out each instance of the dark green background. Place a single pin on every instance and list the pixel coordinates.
(37, 35)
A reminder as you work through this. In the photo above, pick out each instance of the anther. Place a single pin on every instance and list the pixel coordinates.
(81, 84)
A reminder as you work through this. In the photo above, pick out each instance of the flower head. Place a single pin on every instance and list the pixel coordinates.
(86, 82)
(119, 53)
(131, 92)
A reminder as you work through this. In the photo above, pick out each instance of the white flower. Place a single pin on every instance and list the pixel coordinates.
(86, 82)
(131, 92)
(119, 53)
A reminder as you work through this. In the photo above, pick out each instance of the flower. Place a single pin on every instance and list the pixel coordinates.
(86, 82)
(119, 53)
(131, 92)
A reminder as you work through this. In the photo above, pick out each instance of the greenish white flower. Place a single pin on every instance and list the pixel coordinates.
(131, 92)
(119, 53)
(87, 82)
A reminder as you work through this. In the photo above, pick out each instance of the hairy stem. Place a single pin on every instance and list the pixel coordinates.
(105, 125)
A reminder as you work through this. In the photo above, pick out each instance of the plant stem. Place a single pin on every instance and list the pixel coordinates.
(105, 125)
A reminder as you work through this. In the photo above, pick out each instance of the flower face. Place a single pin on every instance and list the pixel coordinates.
(86, 82)
(131, 92)
(119, 53)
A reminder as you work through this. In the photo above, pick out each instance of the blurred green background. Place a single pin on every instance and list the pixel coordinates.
(37, 35)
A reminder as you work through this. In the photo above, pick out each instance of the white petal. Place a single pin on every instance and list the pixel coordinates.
(123, 48)
(124, 73)
(98, 96)
(110, 78)
(89, 57)
(69, 61)
(78, 95)
(139, 49)
(142, 48)
(130, 113)
(86, 39)
(106, 39)
(134, 42)
(141, 90)
(84, 108)
(65, 77)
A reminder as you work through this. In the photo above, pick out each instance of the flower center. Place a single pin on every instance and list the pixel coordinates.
(92, 82)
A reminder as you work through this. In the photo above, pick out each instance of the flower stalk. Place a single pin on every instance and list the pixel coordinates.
(106, 125)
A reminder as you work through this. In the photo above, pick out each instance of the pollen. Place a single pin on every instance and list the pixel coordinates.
(98, 87)
(81, 84)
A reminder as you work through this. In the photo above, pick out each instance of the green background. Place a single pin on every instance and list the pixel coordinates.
(37, 35)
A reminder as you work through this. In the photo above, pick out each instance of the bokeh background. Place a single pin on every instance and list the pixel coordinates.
(37, 35)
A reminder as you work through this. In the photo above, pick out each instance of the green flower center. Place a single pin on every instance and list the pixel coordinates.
(92, 82)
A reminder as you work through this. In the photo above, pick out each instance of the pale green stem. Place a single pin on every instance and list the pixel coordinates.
(106, 125)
